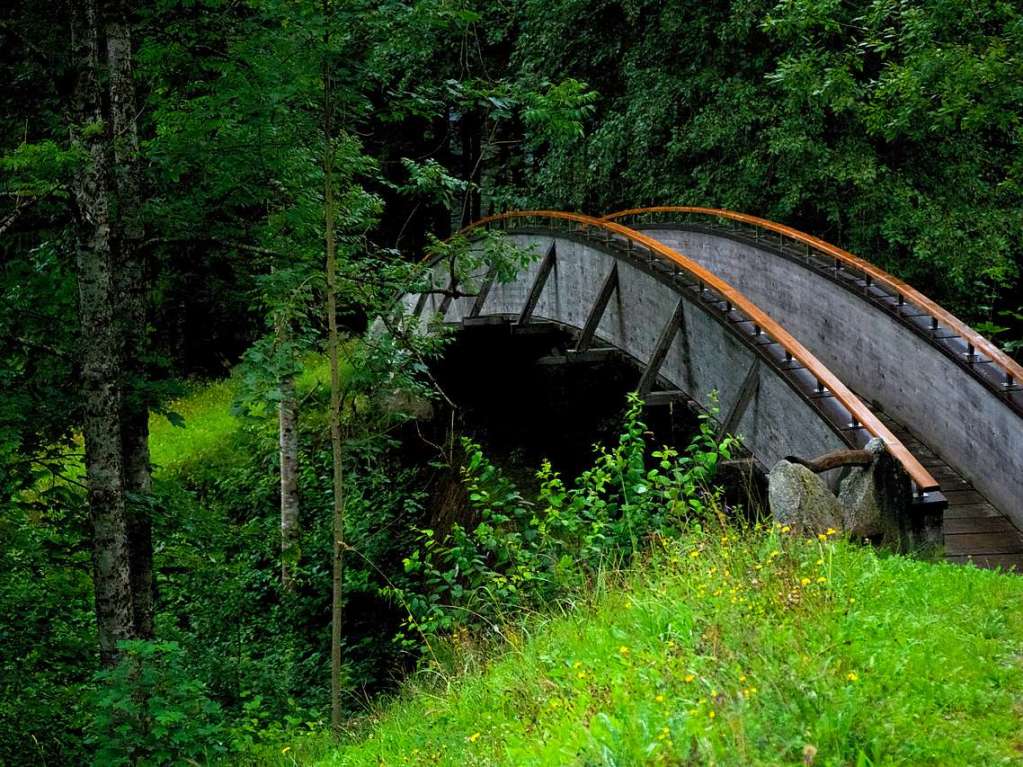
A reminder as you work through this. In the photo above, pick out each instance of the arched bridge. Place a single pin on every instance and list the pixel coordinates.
(794, 335)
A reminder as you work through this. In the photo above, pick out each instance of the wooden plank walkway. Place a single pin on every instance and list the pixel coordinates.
(973, 528)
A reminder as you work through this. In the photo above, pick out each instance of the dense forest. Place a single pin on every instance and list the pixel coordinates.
(220, 522)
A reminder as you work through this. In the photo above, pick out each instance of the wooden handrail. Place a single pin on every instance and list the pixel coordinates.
(860, 412)
(1011, 369)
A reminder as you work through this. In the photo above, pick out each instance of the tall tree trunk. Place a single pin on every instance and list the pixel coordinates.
(101, 351)
(131, 293)
(334, 353)
(287, 421)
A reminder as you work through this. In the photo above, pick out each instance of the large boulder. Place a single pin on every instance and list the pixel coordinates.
(800, 499)
(873, 497)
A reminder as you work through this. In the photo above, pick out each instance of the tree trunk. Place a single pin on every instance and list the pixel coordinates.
(472, 165)
(101, 351)
(287, 418)
(138, 483)
(131, 294)
(333, 352)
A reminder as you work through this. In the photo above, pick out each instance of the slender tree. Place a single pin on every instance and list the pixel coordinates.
(334, 354)
(287, 432)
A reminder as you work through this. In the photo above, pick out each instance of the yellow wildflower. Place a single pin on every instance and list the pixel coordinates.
(623, 650)
(689, 677)
(852, 676)
(659, 698)
(804, 581)
(832, 531)
(474, 737)
(786, 529)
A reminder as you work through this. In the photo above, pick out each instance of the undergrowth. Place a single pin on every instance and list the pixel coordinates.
(726, 646)
(627, 619)
(204, 422)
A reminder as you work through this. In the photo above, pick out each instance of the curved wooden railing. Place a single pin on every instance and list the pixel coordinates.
(1010, 372)
(707, 281)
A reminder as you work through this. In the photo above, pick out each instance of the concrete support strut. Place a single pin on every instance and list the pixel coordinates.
(538, 285)
(607, 290)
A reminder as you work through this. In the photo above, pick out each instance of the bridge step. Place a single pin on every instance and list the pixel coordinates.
(963, 525)
(974, 544)
(971, 511)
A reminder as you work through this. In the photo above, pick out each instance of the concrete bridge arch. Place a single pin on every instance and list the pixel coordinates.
(924, 368)
(692, 333)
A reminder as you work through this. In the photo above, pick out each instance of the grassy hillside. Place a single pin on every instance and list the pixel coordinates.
(733, 650)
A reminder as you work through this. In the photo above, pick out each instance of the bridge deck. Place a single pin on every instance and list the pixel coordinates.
(973, 528)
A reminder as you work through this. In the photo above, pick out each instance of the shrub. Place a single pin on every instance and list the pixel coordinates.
(520, 555)
(149, 711)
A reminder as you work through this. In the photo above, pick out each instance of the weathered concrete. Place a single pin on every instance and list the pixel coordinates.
(879, 357)
(705, 355)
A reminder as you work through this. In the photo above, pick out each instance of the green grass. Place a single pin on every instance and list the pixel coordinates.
(733, 650)
(209, 425)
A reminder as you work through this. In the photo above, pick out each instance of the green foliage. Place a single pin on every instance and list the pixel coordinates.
(149, 712)
(47, 628)
(470, 256)
(429, 180)
(38, 170)
(726, 646)
(519, 555)
(263, 652)
(558, 112)
(890, 128)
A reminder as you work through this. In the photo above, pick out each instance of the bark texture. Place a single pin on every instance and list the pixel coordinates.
(101, 353)
(112, 314)
(131, 297)
(287, 418)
